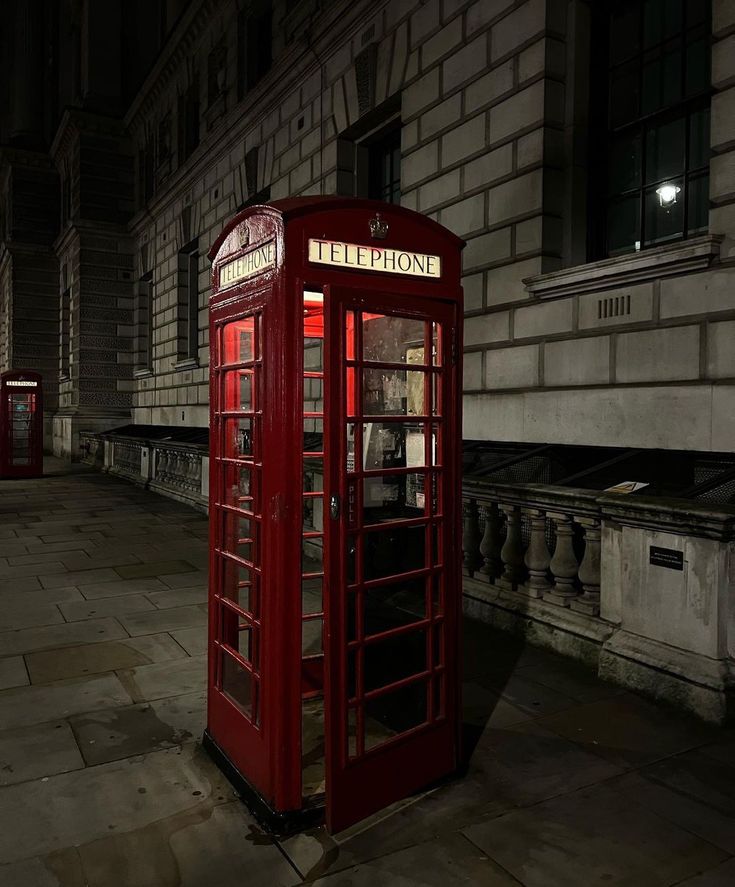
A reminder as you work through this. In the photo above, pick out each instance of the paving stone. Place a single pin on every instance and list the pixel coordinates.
(533, 698)
(80, 560)
(163, 620)
(166, 678)
(71, 662)
(27, 583)
(571, 679)
(42, 750)
(122, 586)
(629, 730)
(36, 704)
(219, 846)
(78, 578)
(444, 863)
(67, 634)
(722, 875)
(578, 838)
(24, 570)
(178, 597)
(19, 615)
(62, 869)
(161, 568)
(692, 790)
(193, 640)
(75, 809)
(184, 580)
(113, 606)
(125, 731)
(13, 672)
(38, 596)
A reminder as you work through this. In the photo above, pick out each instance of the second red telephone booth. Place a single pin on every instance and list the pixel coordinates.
(335, 587)
(21, 424)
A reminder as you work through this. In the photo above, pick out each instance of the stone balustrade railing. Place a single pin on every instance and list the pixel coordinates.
(543, 542)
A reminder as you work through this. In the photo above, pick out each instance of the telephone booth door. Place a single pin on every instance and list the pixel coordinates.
(335, 550)
(21, 424)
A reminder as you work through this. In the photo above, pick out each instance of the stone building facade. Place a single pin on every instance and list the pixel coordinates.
(595, 300)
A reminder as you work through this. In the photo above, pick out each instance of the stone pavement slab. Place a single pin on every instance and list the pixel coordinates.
(178, 597)
(578, 839)
(68, 634)
(71, 662)
(84, 609)
(183, 580)
(159, 568)
(125, 731)
(163, 679)
(78, 577)
(36, 704)
(193, 640)
(13, 672)
(163, 620)
(119, 587)
(62, 869)
(19, 615)
(42, 750)
(722, 875)
(37, 596)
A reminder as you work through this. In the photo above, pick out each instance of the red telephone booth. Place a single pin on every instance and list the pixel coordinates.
(21, 424)
(335, 586)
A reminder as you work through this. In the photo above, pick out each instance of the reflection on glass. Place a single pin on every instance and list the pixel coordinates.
(237, 683)
(238, 584)
(313, 474)
(313, 514)
(393, 551)
(393, 392)
(395, 713)
(311, 595)
(390, 497)
(394, 605)
(239, 441)
(313, 355)
(246, 392)
(311, 637)
(393, 445)
(313, 395)
(312, 554)
(240, 536)
(389, 338)
(313, 435)
(664, 222)
(238, 485)
(239, 341)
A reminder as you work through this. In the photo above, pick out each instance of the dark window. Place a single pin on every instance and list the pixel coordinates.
(189, 120)
(384, 166)
(145, 174)
(254, 47)
(216, 72)
(188, 302)
(144, 323)
(656, 144)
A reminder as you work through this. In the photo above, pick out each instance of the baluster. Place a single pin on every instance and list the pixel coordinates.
(491, 543)
(564, 562)
(162, 466)
(471, 538)
(589, 569)
(512, 550)
(538, 556)
(197, 479)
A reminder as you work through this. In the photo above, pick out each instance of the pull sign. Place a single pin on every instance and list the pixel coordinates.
(666, 557)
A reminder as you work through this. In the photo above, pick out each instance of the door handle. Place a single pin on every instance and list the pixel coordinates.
(334, 506)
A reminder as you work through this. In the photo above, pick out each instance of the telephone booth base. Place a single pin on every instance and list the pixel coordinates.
(278, 823)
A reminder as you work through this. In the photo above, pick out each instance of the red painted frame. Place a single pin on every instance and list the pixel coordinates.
(268, 757)
(33, 389)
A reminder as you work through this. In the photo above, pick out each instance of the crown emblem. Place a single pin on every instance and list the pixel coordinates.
(244, 235)
(378, 227)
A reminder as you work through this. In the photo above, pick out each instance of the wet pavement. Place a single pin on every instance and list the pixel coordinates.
(103, 782)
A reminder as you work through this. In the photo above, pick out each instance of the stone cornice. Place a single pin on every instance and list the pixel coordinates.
(676, 258)
(75, 121)
(10, 156)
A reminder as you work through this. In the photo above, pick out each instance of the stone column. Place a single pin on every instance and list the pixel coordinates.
(538, 556)
(491, 543)
(512, 551)
(564, 563)
(471, 538)
(589, 569)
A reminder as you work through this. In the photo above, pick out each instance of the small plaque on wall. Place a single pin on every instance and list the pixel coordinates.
(666, 557)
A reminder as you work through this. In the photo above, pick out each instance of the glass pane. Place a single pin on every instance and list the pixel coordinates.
(313, 355)
(394, 551)
(665, 146)
(624, 32)
(237, 634)
(698, 205)
(624, 95)
(392, 497)
(311, 637)
(239, 341)
(313, 514)
(394, 605)
(661, 78)
(393, 445)
(394, 659)
(240, 536)
(664, 218)
(351, 558)
(623, 225)
(313, 395)
(239, 439)
(311, 595)
(662, 19)
(388, 338)
(697, 65)
(437, 607)
(312, 554)
(436, 344)
(313, 474)
(696, 12)
(313, 435)
(393, 392)
(699, 139)
(237, 683)
(625, 163)
(239, 488)
(395, 713)
(238, 584)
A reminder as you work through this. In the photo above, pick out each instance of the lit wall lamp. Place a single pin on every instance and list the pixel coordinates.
(667, 194)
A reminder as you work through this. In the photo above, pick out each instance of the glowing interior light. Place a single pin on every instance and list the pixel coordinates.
(667, 194)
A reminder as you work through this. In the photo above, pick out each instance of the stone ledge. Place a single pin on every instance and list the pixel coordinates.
(649, 264)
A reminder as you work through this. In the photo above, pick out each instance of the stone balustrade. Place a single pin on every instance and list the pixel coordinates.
(540, 542)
